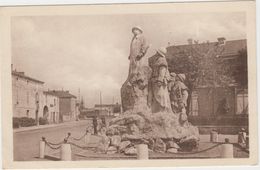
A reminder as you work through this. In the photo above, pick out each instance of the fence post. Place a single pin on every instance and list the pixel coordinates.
(241, 138)
(213, 136)
(247, 142)
(226, 149)
(65, 153)
(42, 147)
(142, 152)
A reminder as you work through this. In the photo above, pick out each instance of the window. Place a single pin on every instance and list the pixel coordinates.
(27, 97)
(17, 96)
(242, 103)
(54, 102)
(27, 113)
(194, 104)
(36, 98)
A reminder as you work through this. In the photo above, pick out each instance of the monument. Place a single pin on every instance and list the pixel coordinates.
(148, 113)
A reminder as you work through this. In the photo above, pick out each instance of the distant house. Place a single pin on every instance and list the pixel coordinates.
(27, 96)
(68, 110)
(109, 109)
(211, 98)
(104, 110)
(51, 109)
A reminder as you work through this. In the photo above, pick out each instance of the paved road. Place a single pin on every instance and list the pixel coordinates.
(26, 144)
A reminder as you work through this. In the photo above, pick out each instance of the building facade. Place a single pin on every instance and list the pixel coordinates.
(51, 109)
(27, 96)
(68, 107)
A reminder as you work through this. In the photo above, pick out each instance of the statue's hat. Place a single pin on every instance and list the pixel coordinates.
(137, 28)
(162, 51)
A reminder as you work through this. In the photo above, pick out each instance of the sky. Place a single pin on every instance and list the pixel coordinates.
(90, 52)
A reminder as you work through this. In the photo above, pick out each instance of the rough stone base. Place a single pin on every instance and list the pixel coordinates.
(147, 127)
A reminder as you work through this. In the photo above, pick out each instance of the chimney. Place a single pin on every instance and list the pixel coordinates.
(221, 40)
(190, 41)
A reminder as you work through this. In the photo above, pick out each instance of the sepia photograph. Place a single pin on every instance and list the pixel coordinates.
(130, 82)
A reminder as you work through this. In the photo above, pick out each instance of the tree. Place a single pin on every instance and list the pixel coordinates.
(241, 72)
(203, 66)
(187, 62)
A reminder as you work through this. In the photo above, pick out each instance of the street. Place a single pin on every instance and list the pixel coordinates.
(26, 144)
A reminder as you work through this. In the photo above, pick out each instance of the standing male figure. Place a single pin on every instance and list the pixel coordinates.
(159, 98)
(138, 49)
(179, 95)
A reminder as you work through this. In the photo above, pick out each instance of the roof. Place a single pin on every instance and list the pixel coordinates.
(60, 93)
(231, 47)
(106, 105)
(48, 93)
(22, 75)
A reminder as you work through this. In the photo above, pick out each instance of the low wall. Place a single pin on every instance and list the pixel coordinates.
(221, 129)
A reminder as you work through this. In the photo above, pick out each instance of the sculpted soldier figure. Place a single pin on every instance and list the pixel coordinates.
(158, 94)
(178, 95)
(138, 49)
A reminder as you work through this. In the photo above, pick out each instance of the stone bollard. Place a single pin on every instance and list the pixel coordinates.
(42, 148)
(247, 142)
(213, 136)
(142, 152)
(241, 138)
(226, 149)
(65, 153)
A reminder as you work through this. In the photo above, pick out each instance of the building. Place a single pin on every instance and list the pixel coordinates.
(68, 108)
(105, 110)
(109, 109)
(217, 95)
(51, 109)
(27, 96)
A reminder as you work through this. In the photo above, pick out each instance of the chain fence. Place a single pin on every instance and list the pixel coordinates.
(69, 140)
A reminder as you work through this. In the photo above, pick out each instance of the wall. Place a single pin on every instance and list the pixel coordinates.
(24, 97)
(65, 106)
(52, 103)
(206, 101)
(73, 109)
(68, 109)
(209, 101)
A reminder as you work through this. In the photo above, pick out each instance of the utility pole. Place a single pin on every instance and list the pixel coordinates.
(100, 99)
(79, 95)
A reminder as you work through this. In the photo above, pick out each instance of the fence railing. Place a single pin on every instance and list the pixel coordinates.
(64, 146)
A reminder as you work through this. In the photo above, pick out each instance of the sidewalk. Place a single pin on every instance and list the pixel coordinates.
(32, 128)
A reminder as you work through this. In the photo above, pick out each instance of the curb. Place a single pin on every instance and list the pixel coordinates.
(35, 128)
